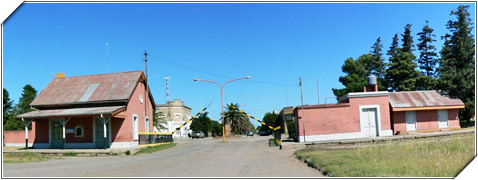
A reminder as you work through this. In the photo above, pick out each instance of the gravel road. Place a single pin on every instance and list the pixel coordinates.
(238, 157)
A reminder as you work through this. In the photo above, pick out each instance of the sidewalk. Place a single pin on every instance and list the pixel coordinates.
(375, 139)
(78, 152)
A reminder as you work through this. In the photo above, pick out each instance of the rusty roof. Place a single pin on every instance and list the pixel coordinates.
(89, 88)
(409, 99)
(39, 114)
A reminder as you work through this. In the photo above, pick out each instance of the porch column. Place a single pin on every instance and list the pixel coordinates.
(63, 124)
(26, 123)
(105, 121)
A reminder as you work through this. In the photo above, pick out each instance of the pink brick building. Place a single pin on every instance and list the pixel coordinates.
(357, 115)
(423, 111)
(93, 111)
(375, 114)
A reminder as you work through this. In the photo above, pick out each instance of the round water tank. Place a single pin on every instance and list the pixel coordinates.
(371, 80)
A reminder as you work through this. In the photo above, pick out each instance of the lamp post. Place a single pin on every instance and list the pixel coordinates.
(222, 100)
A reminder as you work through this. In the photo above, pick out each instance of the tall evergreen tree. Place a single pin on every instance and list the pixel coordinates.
(393, 49)
(427, 60)
(401, 74)
(377, 66)
(29, 93)
(458, 60)
(7, 106)
(407, 39)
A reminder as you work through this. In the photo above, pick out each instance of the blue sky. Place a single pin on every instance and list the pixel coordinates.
(273, 43)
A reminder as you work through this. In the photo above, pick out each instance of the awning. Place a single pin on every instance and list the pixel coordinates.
(115, 111)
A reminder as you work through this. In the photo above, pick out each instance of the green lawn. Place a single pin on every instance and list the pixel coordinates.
(430, 157)
(155, 148)
(19, 157)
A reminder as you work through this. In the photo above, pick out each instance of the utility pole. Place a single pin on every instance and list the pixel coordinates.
(146, 96)
(302, 107)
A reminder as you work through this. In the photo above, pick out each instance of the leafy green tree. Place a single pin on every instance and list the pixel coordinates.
(216, 127)
(401, 74)
(202, 123)
(428, 56)
(29, 93)
(271, 119)
(356, 73)
(7, 106)
(239, 122)
(291, 129)
(457, 61)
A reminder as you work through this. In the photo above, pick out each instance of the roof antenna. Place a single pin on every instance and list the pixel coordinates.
(107, 59)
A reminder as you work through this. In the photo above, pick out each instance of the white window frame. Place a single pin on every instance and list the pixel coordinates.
(82, 130)
(135, 127)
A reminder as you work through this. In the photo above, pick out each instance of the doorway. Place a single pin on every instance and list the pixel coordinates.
(442, 119)
(369, 121)
(56, 134)
(411, 119)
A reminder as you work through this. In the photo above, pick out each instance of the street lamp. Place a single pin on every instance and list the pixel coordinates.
(222, 100)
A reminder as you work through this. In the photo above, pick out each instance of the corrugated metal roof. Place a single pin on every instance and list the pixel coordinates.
(89, 88)
(408, 99)
(108, 110)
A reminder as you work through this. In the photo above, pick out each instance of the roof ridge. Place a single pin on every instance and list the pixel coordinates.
(100, 74)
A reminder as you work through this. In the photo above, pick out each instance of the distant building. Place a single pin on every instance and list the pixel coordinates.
(286, 115)
(175, 113)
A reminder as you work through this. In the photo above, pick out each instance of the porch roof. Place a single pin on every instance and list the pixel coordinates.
(116, 111)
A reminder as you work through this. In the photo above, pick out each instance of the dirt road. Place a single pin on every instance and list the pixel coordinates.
(239, 157)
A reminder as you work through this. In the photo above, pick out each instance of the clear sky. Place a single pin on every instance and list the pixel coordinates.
(273, 43)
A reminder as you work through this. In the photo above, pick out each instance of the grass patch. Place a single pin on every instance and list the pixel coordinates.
(19, 157)
(430, 157)
(155, 148)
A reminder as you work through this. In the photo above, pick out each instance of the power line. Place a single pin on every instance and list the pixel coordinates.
(217, 75)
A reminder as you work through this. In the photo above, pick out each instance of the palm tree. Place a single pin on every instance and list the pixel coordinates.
(159, 121)
(239, 122)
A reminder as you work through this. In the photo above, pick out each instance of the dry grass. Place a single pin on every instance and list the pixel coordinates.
(19, 157)
(430, 157)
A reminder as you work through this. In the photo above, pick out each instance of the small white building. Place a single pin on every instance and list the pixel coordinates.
(175, 113)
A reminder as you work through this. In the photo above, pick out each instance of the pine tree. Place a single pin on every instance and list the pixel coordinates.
(407, 40)
(7, 106)
(458, 60)
(401, 74)
(23, 106)
(377, 66)
(427, 60)
(393, 49)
